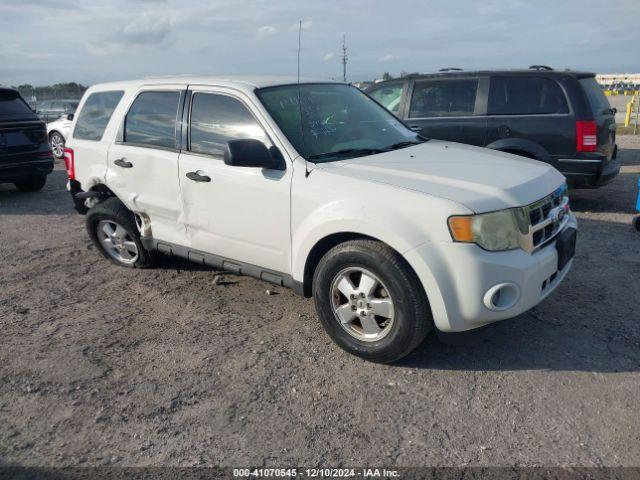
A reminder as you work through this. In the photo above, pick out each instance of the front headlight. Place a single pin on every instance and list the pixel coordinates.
(493, 231)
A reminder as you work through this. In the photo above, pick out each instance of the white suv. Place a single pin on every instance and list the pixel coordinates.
(317, 187)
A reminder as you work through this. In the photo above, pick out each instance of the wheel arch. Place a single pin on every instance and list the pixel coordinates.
(52, 131)
(522, 147)
(322, 246)
(318, 251)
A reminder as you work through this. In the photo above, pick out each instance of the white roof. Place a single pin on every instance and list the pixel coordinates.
(241, 82)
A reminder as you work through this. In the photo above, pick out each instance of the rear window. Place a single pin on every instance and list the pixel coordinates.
(152, 119)
(526, 96)
(95, 115)
(11, 104)
(444, 98)
(597, 100)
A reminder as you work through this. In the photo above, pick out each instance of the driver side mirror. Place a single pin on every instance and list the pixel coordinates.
(252, 153)
(69, 116)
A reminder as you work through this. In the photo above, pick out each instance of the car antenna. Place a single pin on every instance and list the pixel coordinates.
(306, 167)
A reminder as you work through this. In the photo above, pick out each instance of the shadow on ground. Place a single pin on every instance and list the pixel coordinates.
(53, 199)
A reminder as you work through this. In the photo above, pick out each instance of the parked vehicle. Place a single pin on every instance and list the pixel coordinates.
(50, 110)
(559, 117)
(25, 156)
(58, 131)
(316, 187)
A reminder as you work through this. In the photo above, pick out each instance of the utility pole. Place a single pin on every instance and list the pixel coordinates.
(344, 58)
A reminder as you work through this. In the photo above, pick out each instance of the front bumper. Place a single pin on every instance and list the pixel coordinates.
(457, 277)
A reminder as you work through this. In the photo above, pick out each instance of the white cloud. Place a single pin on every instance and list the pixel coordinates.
(386, 58)
(329, 56)
(265, 31)
(144, 31)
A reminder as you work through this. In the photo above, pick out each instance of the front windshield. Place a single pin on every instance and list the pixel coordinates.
(338, 121)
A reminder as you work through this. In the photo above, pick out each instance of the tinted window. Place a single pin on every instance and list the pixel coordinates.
(525, 95)
(216, 119)
(12, 104)
(389, 96)
(95, 115)
(152, 119)
(444, 98)
(597, 100)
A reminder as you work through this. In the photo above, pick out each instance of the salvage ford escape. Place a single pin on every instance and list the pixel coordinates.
(316, 187)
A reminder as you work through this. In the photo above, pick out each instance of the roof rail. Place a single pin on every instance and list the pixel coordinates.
(450, 69)
(540, 67)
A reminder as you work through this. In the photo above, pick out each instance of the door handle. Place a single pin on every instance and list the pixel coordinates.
(122, 162)
(198, 177)
(416, 128)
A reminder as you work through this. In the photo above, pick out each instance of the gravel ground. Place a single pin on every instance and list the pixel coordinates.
(101, 365)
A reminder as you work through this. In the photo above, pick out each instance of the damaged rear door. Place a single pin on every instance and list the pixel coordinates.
(143, 162)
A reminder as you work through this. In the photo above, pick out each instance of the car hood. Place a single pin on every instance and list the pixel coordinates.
(481, 179)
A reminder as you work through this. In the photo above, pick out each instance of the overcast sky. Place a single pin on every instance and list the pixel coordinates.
(48, 41)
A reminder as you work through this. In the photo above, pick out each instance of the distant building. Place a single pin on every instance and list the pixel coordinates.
(607, 79)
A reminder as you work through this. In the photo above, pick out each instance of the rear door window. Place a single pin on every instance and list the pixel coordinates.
(444, 98)
(597, 100)
(525, 96)
(389, 96)
(95, 115)
(216, 119)
(11, 103)
(151, 120)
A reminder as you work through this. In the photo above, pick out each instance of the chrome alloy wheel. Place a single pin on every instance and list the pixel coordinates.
(57, 144)
(362, 304)
(117, 242)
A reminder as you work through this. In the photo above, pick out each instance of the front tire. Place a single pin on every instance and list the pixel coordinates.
(56, 141)
(31, 184)
(113, 230)
(636, 223)
(370, 301)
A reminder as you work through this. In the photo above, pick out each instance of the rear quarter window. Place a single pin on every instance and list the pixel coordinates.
(597, 100)
(526, 96)
(95, 115)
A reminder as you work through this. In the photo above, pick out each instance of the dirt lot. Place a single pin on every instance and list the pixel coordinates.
(101, 365)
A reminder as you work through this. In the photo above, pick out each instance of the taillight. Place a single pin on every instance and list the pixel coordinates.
(586, 136)
(70, 163)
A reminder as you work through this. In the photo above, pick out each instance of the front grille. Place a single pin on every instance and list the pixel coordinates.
(546, 218)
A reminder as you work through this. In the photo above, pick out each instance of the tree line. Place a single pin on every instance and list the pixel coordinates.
(62, 91)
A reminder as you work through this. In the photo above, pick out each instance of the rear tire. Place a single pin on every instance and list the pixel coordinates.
(636, 223)
(31, 184)
(112, 228)
(370, 301)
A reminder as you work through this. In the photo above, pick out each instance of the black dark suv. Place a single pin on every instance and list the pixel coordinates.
(25, 155)
(558, 117)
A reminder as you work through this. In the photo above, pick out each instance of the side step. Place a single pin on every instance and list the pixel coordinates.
(222, 263)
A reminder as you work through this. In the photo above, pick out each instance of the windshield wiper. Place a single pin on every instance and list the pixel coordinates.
(353, 152)
(407, 143)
